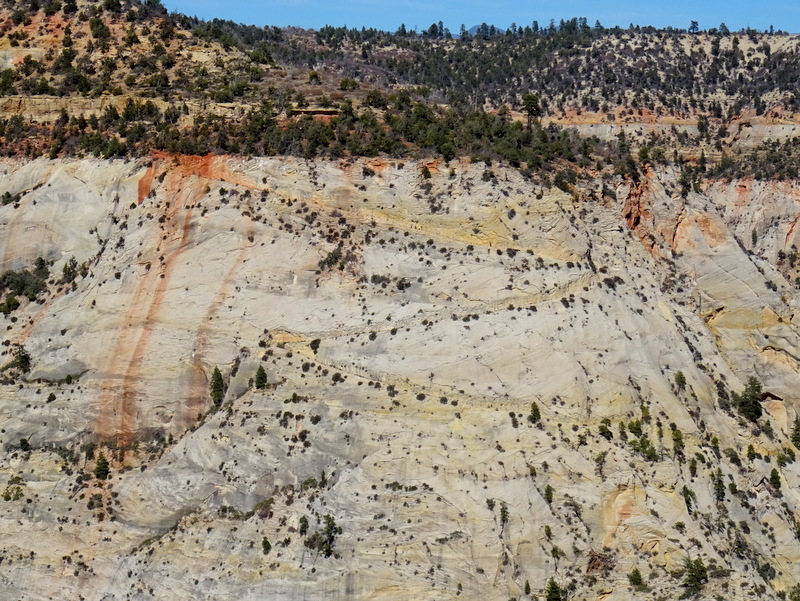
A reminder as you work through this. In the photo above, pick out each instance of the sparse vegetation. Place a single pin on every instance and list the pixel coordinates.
(323, 541)
(500, 142)
(28, 283)
(21, 360)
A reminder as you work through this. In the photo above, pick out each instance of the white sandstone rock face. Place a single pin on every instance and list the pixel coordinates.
(406, 326)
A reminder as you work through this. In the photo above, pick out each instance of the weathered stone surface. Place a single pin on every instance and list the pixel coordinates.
(401, 373)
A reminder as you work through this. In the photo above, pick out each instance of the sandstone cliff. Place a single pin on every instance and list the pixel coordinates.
(406, 326)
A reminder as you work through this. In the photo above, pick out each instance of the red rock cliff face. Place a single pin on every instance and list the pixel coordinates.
(637, 214)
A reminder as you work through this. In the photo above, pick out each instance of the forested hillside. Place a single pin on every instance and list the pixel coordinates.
(148, 80)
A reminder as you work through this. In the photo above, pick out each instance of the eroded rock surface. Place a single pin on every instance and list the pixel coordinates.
(406, 326)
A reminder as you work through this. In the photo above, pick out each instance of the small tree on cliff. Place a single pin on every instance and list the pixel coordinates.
(101, 470)
(535, 415)
(775, 481)
(749, 402)
(680, 380)
(553, 592)
(796, 432)
(217, 387)
(261, 378)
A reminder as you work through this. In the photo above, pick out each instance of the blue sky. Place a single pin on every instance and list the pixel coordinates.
(388, 15)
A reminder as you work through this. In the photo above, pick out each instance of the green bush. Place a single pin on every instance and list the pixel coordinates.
(635, 578)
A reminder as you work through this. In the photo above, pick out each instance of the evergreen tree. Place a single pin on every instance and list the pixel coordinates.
(21, 360)
(101, 470)
(696, 577)
(553, 591)
(635, 577)
(535, 415)
(775, 479)
(680, 380)
(796, 432)
(530, 102)
(261, 378)
(217, 387)
(719, 486)
(750, 400)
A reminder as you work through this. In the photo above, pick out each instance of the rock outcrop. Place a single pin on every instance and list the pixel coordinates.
(471, 384)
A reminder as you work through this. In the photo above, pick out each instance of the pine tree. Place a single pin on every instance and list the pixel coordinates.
(719, 486)
(261, 378)
(750, 400)
(101, 470)
(535, 415)
(796, 433)
(775, 479)
(680, 380)
(531, 105)
(553, 591)
(217, 387)
(696, 576)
